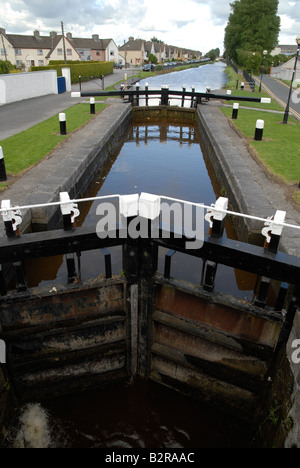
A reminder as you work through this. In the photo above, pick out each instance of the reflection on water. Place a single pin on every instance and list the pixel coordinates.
(163, 159)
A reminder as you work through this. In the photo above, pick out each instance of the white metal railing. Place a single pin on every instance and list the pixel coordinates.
(147, 205)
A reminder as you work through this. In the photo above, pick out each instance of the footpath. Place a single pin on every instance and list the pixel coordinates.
(19, 116)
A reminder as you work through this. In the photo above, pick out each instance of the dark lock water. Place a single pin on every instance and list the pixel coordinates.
(165, 159)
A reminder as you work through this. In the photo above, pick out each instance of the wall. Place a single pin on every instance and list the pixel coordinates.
(19, 86)
(285, 71)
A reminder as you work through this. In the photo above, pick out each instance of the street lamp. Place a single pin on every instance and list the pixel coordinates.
(253, 63)
(263, 68)
(287, 110)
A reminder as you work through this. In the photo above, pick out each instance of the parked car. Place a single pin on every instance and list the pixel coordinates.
(149, 67)
(118, 65)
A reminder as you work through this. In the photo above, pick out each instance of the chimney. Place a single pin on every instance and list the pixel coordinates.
(131, 38)
(2, 31)
(36, 34)
(96, 37)
(53, 34)
(69, 36)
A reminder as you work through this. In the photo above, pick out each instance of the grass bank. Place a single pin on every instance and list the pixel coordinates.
(27, 148)
(279, 151)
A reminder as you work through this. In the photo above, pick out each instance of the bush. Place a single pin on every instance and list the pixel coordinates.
(84, 69)
(5, 67)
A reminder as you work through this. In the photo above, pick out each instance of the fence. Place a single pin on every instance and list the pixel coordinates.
(165, 95)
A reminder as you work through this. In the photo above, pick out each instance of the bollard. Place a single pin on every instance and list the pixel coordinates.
(259, 130)
(242, 86)
(12, 219)
(62, 123)
(92, 106)
(235, 110)
(69, 211)
(228, 92)
(3, 176)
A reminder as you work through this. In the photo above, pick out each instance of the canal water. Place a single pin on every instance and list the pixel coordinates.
(206, 76)
(168, 159)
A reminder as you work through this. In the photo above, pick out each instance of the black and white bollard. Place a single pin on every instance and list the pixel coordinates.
(92, 106)
(259, 130)
(235, 110)
(242, 86)
(62, 123)
(3, 176)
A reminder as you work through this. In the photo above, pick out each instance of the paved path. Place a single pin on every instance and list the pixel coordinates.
(280, 91)
(19, 116)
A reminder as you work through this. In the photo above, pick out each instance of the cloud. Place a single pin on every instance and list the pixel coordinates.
(196, 24)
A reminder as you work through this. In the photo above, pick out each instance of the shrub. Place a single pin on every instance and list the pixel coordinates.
(84, 69)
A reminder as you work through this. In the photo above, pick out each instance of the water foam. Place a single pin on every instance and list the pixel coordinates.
(34, 429)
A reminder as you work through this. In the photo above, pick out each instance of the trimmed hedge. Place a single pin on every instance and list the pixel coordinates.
(84, 69)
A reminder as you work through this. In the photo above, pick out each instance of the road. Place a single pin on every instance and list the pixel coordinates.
(280, 91)
(19, 116)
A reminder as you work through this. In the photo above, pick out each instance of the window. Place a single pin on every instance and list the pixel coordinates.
(40, 63)
(18, 52)
(59, 51)
(69, 51)
(19, 63)
(112, 53)
(3, 52)
(40, 51)
(97, 53)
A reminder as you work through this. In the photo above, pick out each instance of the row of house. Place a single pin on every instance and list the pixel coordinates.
(36, 50)
(137, 51)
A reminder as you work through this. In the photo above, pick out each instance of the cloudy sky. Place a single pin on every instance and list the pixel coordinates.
(195, 24)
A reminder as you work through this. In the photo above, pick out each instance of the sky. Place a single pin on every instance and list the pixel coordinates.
(193, 24)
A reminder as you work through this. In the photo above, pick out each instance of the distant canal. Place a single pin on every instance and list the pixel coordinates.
(211, 75)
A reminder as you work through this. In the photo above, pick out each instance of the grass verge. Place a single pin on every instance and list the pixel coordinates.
(279, 151)
(27, 148)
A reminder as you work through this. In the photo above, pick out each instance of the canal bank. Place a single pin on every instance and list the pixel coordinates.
(86, 144)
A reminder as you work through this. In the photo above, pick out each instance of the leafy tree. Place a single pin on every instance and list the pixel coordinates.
(154, 39)
(213, 54)
(4, 68)
(253, 25)
(153, 58)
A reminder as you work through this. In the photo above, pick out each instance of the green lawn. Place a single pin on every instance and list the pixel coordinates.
(27, 148)
(280, 149)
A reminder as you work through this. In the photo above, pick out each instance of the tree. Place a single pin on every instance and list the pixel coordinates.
(213, 54)
(154, 39)
(152, 58)
(253, 25)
